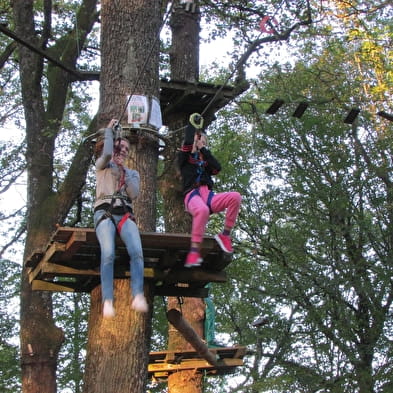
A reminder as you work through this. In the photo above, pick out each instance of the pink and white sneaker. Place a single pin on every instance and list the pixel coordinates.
(224, 242)
(193, 259)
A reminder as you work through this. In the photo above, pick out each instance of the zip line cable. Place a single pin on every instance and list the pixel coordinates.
(213, 99)
(239, 62)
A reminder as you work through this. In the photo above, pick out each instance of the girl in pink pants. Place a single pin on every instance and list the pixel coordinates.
(197, 166)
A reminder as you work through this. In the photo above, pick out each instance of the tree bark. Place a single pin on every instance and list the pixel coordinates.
(40, 339)
(184, 61)
(117, 351)
(184, 52)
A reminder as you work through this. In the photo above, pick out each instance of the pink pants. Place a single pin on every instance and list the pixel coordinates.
(197, 207)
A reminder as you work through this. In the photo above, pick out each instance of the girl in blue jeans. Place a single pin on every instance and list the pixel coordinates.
(116, 187)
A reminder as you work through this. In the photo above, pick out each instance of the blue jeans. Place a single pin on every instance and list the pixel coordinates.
(106, 235)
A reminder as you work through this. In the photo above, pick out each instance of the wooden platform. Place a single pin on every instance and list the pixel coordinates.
(176, 95)
(161, 364)
(72, 259)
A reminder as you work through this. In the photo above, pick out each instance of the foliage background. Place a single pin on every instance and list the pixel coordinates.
(314, 239)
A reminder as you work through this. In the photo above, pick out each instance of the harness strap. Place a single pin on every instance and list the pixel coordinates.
(195, 191)
(106, 215)
(209, 201)
(196, 159)
(116, 196)
(119, 226)
(126, 216)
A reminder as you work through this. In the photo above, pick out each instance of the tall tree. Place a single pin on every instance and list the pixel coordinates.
(320, 229)
(184, 66)
(47, 204)
(9, 365)
(51, 197)
(117, 351)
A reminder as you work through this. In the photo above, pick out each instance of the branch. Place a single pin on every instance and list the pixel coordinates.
(77, 74)
(41, 52)
(7, 53)
(15, 238)
(76, 177)
(241, 84)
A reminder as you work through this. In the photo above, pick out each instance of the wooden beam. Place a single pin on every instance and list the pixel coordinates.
(181, 291)
(74, 253)
(53, 269)
(192, 364)
(55, 247)
(75, 242)
(42, 285)
(176, 319)
(66, 271)
(237, 351)
(162, 364)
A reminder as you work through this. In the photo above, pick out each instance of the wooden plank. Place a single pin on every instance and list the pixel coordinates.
(149, 239)
(42, 285)
(187, 275)
(53, 249)
(74, 252)
(63, 234)
(74, 243)
(181, 291)
(85, 285)
(52, 269)
(195, 364)
(221, 352)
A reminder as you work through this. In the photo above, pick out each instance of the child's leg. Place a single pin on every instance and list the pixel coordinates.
(231, 202)
(200, 216)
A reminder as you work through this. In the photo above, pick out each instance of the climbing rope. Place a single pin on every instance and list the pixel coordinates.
(180, 302)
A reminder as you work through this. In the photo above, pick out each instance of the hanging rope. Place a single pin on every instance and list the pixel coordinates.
(180, 302)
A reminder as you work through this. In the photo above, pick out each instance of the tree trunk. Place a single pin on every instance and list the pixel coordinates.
(184, 60)
(184, 52)
(39, 337)
(117, 351)
(117, 348)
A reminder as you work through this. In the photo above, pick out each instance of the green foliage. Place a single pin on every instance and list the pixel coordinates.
(314, 254)
(313, 240)
(71, 313)
(9, 349)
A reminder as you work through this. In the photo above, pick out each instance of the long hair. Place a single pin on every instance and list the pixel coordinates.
(99, 146)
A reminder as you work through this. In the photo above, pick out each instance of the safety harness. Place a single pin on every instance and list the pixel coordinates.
(195, 192)
(110, 209)
(195, 159)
